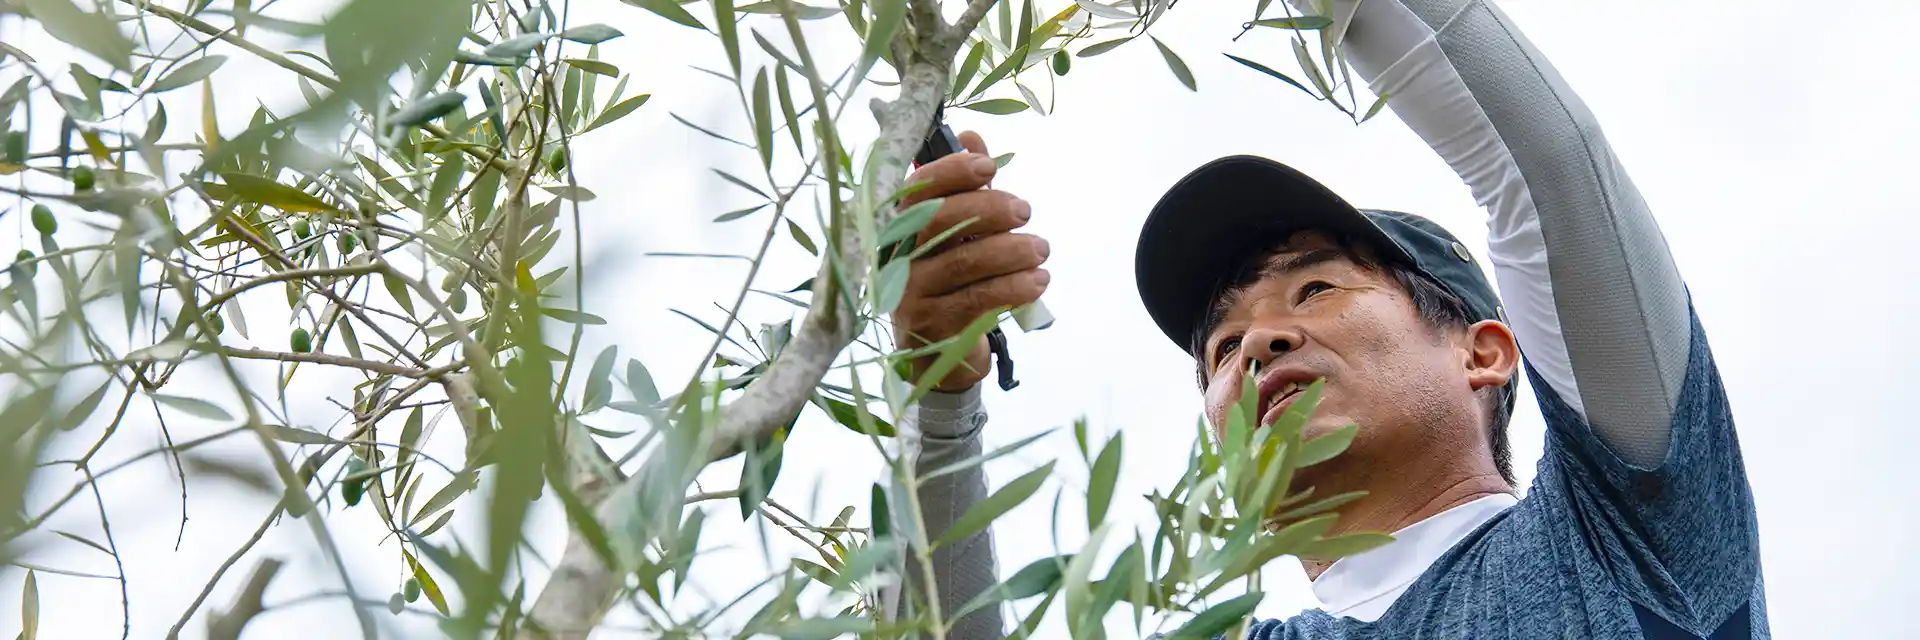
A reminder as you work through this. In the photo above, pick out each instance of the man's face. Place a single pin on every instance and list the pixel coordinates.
(1315, 313)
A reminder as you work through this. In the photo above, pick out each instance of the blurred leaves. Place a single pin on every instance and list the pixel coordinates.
(193, 406)
(997, 106)
(30, 607)
(189, 73)
(982, 514)
(428, 109)
(92, 32)
(1219, 617)
(274, 194)
(668, 9)
(591, 33)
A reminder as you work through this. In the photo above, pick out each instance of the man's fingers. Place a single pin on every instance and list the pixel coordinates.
(1011, 290)
(973, 143)
(990, 211)
(949, 175)
(983, 259)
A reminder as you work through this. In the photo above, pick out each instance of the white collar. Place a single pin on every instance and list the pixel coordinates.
(1363, 586)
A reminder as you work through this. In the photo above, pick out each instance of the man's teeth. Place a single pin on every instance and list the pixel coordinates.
(1289, 388)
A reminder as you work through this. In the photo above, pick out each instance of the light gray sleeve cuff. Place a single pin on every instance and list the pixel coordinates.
(951, 416)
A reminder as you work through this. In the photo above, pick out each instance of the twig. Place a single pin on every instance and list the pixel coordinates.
(292, 274)
(64, 572)
(342, 361)
(113, 549)
(57, 504)
(713, 495)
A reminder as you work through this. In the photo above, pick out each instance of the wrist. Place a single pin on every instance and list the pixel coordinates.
(956, 414)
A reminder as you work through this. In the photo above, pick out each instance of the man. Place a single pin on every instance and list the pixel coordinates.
(1640, 522)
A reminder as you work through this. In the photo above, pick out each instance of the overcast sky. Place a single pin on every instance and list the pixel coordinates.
(1774, 141)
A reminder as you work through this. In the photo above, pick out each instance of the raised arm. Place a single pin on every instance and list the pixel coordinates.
(989, 267)
(1590, 288)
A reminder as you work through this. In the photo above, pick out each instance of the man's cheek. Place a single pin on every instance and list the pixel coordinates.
(1220, 397)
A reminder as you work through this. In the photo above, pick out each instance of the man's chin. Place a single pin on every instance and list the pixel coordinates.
(1322, 425)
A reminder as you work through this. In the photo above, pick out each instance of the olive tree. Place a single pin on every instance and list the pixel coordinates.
(406, 210)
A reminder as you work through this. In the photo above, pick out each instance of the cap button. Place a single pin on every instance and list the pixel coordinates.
(1460, 250)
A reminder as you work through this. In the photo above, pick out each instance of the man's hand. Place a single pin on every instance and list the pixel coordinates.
(981, 268)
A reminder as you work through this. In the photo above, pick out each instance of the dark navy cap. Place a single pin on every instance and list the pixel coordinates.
(1233, 209)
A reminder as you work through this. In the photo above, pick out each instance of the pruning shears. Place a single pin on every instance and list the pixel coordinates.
(940, 142)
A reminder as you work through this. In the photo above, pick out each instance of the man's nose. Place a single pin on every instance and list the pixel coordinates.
(1265, 344)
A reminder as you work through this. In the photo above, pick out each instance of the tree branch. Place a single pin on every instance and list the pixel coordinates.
(926, 19)
(976, 11)
(343, 361)
(291, 274)
(582, 588)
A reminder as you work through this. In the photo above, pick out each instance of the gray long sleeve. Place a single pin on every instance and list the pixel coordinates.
(949, 426)
(1589, 285)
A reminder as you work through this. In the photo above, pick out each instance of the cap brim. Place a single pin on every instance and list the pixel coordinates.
(1222, 214)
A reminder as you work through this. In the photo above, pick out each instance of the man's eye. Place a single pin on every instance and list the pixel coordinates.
(1224, 349)
(1312, 287)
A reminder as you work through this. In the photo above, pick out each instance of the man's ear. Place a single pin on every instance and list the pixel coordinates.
(1492, 354)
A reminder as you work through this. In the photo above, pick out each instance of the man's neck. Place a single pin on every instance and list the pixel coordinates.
(1389, 511)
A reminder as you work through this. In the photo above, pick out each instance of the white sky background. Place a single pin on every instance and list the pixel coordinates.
(1772, 141)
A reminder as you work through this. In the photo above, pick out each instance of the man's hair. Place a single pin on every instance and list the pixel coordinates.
(1439, 308)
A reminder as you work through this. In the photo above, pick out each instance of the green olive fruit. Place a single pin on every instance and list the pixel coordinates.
(301, 341)
(16, 147)
(395, 605)
(82, 178)
(411, 590)
(1061, 62)
(30, 268)
(301, 229)
(43, 220)
(351, 489)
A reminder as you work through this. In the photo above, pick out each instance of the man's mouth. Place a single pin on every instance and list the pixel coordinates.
(1277, 402)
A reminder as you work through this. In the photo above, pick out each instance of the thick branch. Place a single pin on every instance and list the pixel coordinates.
(926, 19)
(227, 626)
(582, 589)
(976, 11)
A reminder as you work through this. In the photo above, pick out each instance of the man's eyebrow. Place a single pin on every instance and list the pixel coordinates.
(1283, 266)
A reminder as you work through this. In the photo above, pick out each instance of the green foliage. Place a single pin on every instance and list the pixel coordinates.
(450, 297)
